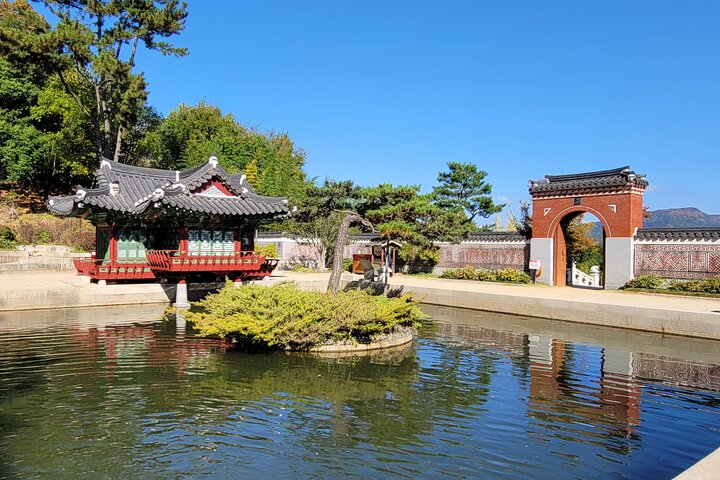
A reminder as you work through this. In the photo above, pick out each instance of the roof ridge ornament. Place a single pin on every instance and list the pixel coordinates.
(80, 194)
(106, 163)
(158, 194)
(213, 161)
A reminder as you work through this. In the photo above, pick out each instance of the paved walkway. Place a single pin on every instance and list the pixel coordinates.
(680, 315)
(601, 297)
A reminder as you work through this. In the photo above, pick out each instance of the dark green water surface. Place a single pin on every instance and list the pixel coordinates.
(113, 393)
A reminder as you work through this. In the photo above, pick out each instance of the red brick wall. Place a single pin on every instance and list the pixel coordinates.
(620, 213)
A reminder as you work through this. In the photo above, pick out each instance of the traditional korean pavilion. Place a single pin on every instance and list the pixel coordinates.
(171, 223)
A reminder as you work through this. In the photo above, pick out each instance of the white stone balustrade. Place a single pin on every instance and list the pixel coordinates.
(586, 280)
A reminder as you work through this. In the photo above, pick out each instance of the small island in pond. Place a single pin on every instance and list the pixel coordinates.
(282, 317)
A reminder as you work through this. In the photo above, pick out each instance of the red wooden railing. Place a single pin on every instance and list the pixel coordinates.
(177, 261)
(242, 264)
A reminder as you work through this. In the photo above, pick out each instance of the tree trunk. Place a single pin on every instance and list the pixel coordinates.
(350, 218)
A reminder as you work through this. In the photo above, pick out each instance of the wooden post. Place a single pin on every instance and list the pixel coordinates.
(238, 239)
(113, 244)
(183, 246)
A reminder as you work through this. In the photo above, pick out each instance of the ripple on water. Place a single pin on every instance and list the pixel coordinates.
(108, 393)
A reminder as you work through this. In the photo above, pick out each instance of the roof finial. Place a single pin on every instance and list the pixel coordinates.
(213, 161)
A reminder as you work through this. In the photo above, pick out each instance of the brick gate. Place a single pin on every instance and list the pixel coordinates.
(614, 196)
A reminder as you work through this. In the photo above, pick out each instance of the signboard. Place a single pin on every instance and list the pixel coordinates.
(534, 264)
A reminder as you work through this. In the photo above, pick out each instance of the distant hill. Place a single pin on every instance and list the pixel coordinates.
(680, 218)
(689, 217)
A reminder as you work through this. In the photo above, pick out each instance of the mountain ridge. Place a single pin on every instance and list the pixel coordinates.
(686, 217)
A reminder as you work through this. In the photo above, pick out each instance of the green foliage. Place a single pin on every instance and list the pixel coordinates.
(523, 224)
(511, 275)
(347, 264)
(646, 281)
(299, 267)
(269, 250)
(189, 135)
(7, 238)
(706, 285)
(463, 189)
(418, 258)
(43, 228)
(97, 42)
(283, 317)
(508, 275)
(317, 221)
(665, 285)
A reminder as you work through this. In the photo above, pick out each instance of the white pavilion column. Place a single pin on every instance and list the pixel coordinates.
(181, 294)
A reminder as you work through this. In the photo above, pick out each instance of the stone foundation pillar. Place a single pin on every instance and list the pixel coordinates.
(181, 295)
(618, 261)
(542, 249)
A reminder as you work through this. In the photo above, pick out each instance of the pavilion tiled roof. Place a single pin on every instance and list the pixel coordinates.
(136, 190)
(600, 180)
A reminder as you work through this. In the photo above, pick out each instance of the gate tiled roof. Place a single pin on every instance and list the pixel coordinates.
(617, 177)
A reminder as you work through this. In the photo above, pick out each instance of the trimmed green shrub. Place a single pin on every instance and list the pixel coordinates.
(269, 250)
(512, 276)
(347, 264)
(283, 317)
(707, 285)
(468, 272)
(646, 281)
(661, 284)
(463, 273)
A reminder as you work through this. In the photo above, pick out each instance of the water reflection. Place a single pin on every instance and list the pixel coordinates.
(97, 392)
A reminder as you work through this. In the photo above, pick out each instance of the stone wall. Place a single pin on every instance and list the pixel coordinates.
(489, 250)
(677, 253)
(289, 250)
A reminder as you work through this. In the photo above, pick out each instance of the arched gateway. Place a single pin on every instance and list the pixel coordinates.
(615, 197)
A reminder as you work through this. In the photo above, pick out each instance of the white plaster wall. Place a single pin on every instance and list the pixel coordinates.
(542, 249)
(618, 261)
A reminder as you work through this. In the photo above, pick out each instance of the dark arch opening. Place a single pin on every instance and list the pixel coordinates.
(579, 256)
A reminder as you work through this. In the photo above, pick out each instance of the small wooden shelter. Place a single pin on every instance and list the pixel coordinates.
(155, 223)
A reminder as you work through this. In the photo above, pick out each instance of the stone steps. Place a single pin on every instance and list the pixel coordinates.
(38, 258)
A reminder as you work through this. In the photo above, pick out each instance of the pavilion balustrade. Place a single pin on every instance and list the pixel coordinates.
(244, 264)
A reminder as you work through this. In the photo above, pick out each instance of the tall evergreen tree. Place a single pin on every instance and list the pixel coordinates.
(98, 41)
(463, 188)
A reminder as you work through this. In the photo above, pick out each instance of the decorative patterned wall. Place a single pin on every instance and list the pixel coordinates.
(489, 255)
(684, 260)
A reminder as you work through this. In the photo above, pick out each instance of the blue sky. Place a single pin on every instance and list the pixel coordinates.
(380, 91)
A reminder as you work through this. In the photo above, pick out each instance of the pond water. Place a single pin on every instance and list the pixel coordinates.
(112, 392)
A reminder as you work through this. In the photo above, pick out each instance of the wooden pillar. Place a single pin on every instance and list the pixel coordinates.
(113, 243)
(238, 240)
(250, 232)
(183, 246)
